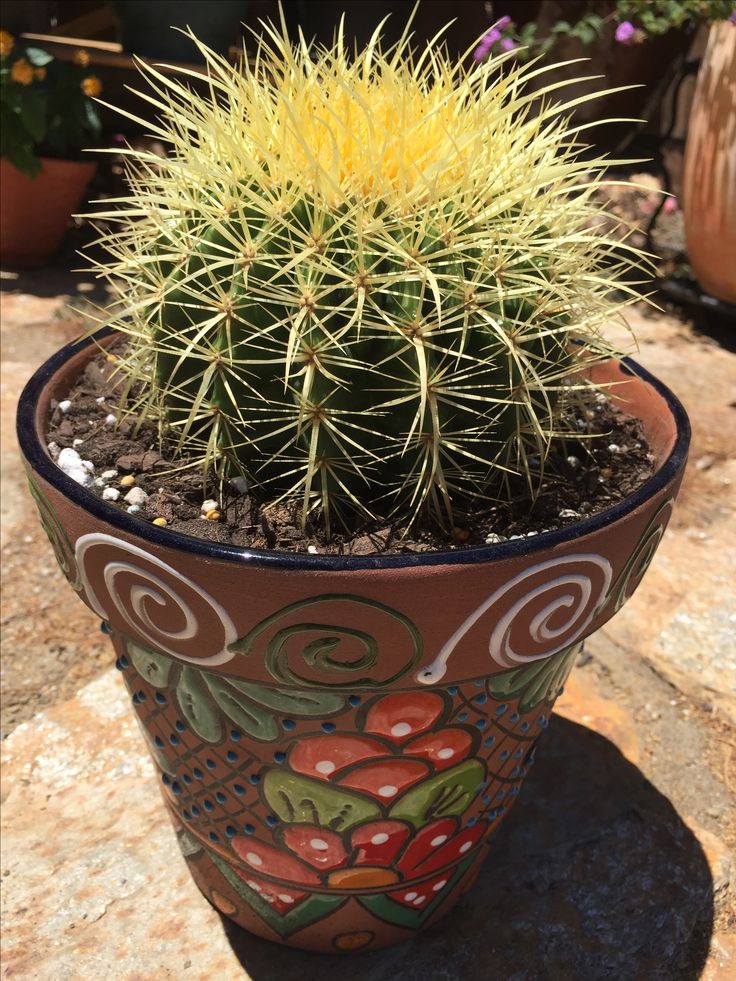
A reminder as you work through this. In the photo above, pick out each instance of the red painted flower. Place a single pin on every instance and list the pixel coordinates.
(374, 855)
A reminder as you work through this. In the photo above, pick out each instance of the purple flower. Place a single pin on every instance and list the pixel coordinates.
(503, 22)
(486, 43)
(507, 44)
(625, 32)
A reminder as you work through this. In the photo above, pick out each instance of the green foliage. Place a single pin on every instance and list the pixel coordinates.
(368, 284)
(44, 110)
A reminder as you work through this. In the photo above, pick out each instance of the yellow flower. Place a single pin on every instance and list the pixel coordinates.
(81, 58)
(39, 74)
(22, 72)
(92, 86)
(6, 43)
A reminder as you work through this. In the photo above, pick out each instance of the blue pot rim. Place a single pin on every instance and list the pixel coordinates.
(35, 452)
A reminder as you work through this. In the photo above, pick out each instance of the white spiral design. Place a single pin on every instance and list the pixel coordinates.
(157, 604)
(547, 616)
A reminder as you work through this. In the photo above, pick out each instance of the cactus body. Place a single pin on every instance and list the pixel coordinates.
(357, 282)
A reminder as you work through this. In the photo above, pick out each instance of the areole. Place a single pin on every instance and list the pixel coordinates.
(337, 737)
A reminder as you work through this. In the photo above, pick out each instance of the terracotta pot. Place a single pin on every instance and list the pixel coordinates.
(709, 179)
(337, 738)
(35, 211)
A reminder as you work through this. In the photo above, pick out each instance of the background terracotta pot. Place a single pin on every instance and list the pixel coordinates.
(709, 181)
(35, 212)
(337, 737)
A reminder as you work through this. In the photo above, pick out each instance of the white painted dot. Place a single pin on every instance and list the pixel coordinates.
(325, 766)
(285, 899)
(253, 859)
(379, 839)
(439, 840)
(409, 896)
(419, 900)
(439, 885)
(388, 790)
(319, 845)
(466, 847)
(269, 899)
(445, 754)
(400, 729)
(253, 885)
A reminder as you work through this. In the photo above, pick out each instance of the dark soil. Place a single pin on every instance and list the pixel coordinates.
(583, 475)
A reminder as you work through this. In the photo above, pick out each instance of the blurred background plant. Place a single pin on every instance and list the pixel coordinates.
(46, 107)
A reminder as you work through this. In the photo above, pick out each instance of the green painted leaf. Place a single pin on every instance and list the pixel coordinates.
(249, 717)
(309, 703)
(309, 910)
(447, 794)
(538, 682)
(197, 706)
(150, 665)
(298, 800)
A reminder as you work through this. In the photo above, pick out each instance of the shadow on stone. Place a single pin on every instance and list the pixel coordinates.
(593, 876)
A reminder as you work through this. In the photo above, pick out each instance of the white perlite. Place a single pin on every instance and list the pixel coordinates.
(65, 405)
(136, 495)
(110, 494)
(208, 506)
(75, 467)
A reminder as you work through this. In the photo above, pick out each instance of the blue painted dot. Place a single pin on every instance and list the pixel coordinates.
(500, 709)
(213, 836)
(197, 773)
(542, 719)
(544, 723)
(105, 627)
(179, 726)
(462, 717)
(186, 778)
(173, 739)
(489, 740)
(135, 699)
(505, 755)
(159, 741)
(195, 810)
(354, 700)
(515, 772)
(220, 797)
(514, 792)
(231, 756)
(500, 795)
(234, 735)
(524, 726)
(470, 822)
(210, 764)
(514, 717)
(328, 726)
(452, 690)
(561, 691)
(271, 821)
(518, 754)
(254, 778)
(176, 787)
(249, 829)
(485, 799)
(161, 699)
(124, 661)
(481, 699)
(166, 779)
(480, 723)
(288, 723)
(119, 664)
(208, 805)
(230, 831)
(186, 814)
(279, 757)
(479, 683)
(239, 789)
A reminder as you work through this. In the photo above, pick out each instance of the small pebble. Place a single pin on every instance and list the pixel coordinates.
(606, 473)
(239, 484)
(77, 442)
(136, 495)
(99, 482)
(568, 513)
(161, 522)
(65, 405)
(312, 549)
(208, 506)
(109, 474)
(494, 539)
(614, 448)
(531, 534)
(100, 400)
(112, 358)
(127, 481)
(213, 515)
(54, 449)
(573, 462)
(110, 419)
(513, 538)
(133, 508)
(110, 494)
(75, 467)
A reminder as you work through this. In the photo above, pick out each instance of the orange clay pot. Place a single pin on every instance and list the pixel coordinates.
(338, 737)
(709, 182)
(35, 211)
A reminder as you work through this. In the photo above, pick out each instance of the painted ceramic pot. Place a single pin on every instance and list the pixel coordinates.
(337, 738)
